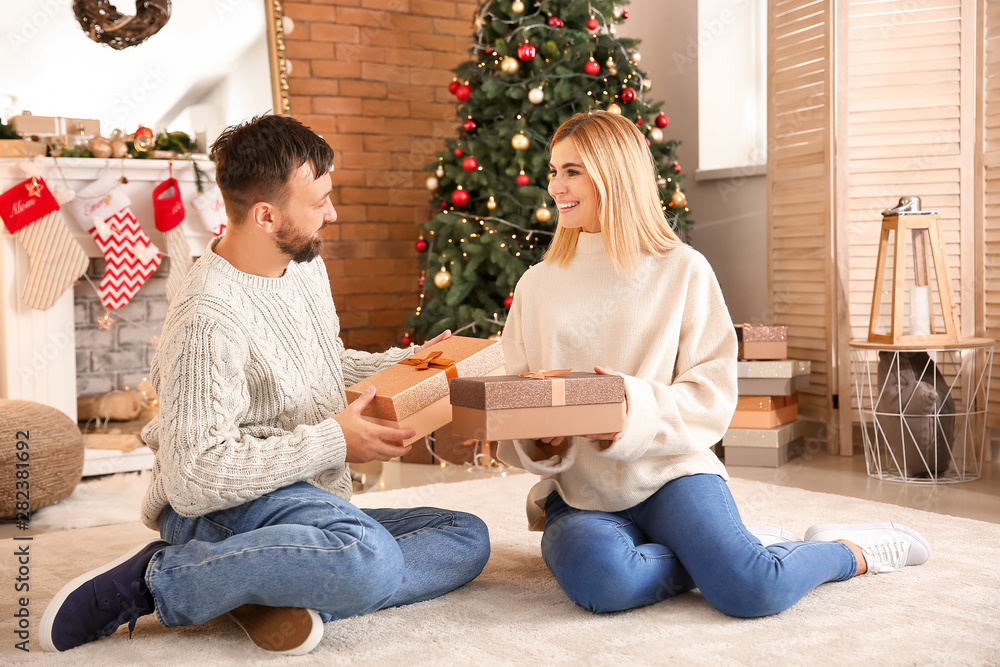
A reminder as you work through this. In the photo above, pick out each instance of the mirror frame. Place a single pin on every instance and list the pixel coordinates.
(276, 57)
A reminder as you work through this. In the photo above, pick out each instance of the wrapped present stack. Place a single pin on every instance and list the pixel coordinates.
(765, 430)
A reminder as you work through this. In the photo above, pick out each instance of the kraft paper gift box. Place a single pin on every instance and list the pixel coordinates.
(21, 148)
(414, 392)
(52, 126)
(768, 447)
(537, 405)
(765, 411)
(772, 378)
(758, 341)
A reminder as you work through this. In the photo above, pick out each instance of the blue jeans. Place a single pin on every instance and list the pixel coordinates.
(301, 546)
(686, 535)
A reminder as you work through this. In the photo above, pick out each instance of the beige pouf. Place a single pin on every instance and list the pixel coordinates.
(54, 459)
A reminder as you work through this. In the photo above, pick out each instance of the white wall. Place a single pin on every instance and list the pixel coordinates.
(730, 222)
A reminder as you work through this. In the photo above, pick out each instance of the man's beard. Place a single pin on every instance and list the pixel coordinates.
(299, 247)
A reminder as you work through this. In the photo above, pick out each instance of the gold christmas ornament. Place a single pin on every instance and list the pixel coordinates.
(661, 182)
(432, 183)
(613, 71)
(637, 57)
(520, 142)
(100, 147)
(442, 278)
(517, 7)
(610, 63)
(677, 200)
(536, 95)
(647, 84)
(615, 109)
(439, 172)
(492, 203)
(509, 65)
(119, 148)
(543, 214)
(656, 134)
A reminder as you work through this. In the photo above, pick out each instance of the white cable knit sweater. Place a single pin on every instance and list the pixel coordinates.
(250, 373)
(667, 331)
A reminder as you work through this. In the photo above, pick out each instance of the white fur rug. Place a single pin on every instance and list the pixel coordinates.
(944, 612)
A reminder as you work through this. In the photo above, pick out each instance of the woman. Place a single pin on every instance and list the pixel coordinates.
(640, 515)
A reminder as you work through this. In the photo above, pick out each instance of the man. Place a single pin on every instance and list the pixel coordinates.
(250, 488)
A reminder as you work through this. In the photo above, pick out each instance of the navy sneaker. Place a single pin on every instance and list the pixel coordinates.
(95, 604)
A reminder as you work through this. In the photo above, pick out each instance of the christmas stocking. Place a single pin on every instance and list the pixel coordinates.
(168, 210)
(212, 209)
(102, 208)
(32, 215)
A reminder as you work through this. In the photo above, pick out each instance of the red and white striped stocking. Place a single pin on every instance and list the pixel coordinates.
(32, 215)
(102, 208)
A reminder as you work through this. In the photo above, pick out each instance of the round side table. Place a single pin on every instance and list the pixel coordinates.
(923, 409)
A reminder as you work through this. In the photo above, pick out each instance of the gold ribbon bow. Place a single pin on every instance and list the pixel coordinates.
(431, 361)
(558, 384)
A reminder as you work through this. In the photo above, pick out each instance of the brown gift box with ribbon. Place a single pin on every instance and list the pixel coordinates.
(765, 411)
(759, 341)
(414, 392)
(536, 405)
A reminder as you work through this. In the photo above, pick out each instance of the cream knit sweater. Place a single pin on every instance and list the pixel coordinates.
(250, 373)
(667, 331)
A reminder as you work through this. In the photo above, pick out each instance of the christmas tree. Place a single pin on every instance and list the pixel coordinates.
(532, 67)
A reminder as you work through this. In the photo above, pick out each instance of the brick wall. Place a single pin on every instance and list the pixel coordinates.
(119, 357)
(371, 76)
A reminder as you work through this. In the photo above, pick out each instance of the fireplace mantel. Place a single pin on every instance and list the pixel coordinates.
(38, 348)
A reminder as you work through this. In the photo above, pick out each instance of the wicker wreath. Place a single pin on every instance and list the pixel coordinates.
(105, 24)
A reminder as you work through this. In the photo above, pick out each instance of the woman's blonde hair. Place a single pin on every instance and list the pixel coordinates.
(629, 208)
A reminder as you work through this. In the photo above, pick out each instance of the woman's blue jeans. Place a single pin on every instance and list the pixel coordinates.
(686, 535)
(301, 546)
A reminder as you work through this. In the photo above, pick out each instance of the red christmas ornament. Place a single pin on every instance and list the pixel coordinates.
(420, 282)
(628, 95)
(509, 300)
(638, 121)
(592, 23)
(662, 121)
(459, 197)
(444, 204)
(420, 245)
(523, 180)
(592, 67)
(677, 168)
(463, 92)
(405, 340)
(526, 52)
(469, 126)
(469, 164)
(453, 87)
(458, 152)
(625, 14)
(555, 22)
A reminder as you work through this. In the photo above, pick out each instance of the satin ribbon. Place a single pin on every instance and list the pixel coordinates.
(558, 384)
(433, 360)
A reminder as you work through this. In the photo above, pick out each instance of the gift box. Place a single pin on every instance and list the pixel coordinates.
(537, 405)
(414, 392)
(764, 457)
(771, 438)
(765, 411)
(772, 378)
(49, 126)
(21, 148)
(759, 341)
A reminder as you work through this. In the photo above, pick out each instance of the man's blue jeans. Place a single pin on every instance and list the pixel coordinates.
(686, 535)
(302, 546)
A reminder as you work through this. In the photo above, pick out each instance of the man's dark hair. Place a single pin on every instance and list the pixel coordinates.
(255, 160)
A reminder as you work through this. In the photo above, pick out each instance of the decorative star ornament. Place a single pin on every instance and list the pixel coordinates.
(145, 254)
(105, 321)
(34, 188)
(102, 227)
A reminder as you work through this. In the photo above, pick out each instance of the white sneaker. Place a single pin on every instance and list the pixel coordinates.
(280, 630)
(769, 536)
(887, 547)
